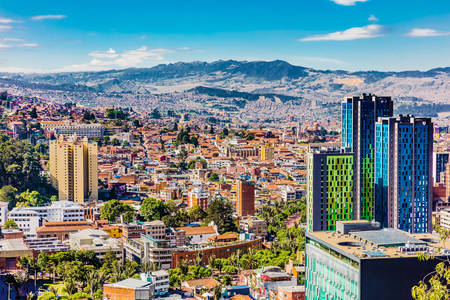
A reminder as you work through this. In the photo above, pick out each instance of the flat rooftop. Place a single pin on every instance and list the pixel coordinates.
(374, 244)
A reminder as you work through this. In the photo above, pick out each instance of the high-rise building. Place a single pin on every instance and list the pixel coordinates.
(266, 152)
(245, 198)
(403, 180)
(359, 115)
(440, 160)
(73, 168)
(447, 184)
(360, 261)
(330, 188)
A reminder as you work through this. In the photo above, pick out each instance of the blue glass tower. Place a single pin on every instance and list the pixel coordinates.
(359, 115)
(403, 173)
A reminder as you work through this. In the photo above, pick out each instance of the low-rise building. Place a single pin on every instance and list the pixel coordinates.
(291, 293)
(129, 289)
(10, 251)
(30, 218)
(61, 230)
(3, 213)
(255, 225)
(96, 240)
(198, 235)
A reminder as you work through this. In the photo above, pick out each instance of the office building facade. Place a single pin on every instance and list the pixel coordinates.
(359, 115)
(330, 188)
(245, 198)
(403, 177)
(73, 169)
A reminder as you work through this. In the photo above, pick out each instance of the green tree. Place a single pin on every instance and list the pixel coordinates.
(214, 177)
(113, 209)
(196, 213)
(10, 224)
(8, 194)
(33, 113)
(47, 296)
(153, 209)
(220, 211)
(33, 198)
(435, 285)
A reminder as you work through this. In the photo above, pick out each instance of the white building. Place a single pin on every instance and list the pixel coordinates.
(96, 240)
(30, 218)
(445, 218)
(3, 212)
(160, 279)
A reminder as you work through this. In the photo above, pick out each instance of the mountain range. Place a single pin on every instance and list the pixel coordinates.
(260, 78)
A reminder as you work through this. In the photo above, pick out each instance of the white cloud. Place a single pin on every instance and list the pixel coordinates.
(354, 33)
(112, 59)
(424, 32)
(111, 53)
(184, 48)
(347, 2)
(5, 27)
(13, 40)
(48, 17)
(28, 45)
(372, 18)
(6, 21)
(4, 46)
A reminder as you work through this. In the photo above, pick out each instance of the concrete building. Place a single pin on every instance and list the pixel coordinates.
(67, 128)
(198, 235)
(291, 293)
(160, 280)
(30, 218)
(266, 152)
(444, 216)
(96, 240)
(156, 229)
(253, 225)
(73, 169)
(403, 177)
(61, 230)
(245, 198)
(359, 115)
(129, 289)
(359, 261)
(198, 196)
(330, 188)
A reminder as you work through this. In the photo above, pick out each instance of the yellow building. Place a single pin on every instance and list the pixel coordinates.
(266, 153)
(73, 169)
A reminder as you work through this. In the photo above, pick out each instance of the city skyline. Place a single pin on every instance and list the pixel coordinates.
(352, 35)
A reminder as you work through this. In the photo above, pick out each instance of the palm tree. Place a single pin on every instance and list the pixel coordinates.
(211, 261)
(95, 280)
(184, 266)
(29, 265)
(217, 292)
(70, 286)
(146, 267)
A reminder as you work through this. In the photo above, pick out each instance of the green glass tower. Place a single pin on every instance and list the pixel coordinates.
(330, 190)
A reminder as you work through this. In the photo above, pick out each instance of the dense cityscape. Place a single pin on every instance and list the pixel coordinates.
(225, 150)
(113, 203)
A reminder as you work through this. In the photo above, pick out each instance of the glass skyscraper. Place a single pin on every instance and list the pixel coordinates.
(403, 179)
(358, 118)
(330, 188)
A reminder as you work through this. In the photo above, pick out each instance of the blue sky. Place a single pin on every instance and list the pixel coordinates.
(49, 36)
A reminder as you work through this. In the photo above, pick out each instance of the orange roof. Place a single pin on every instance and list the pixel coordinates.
(208, 283)
(198, 230)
